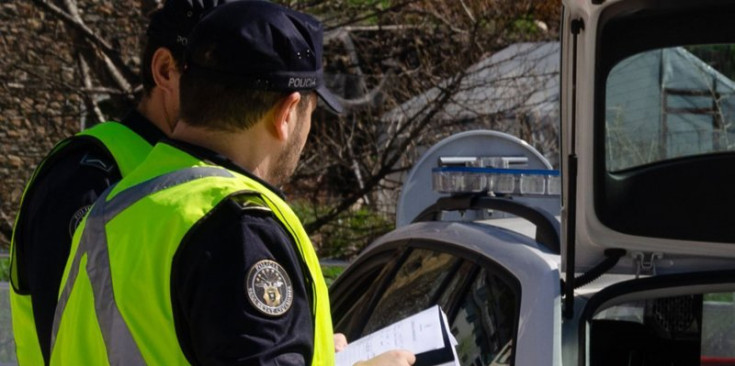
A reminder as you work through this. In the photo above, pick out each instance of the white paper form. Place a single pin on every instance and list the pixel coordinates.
(418, 333)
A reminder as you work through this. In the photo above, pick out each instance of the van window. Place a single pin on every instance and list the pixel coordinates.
(664, 138)
(669, 103)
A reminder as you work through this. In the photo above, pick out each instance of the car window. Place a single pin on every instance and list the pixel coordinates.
(718, 328)
(682, 330)
(485, 321)
(350, 302)
(481, 306)
(415, 287)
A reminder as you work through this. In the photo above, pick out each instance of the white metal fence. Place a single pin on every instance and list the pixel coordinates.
(7, 346)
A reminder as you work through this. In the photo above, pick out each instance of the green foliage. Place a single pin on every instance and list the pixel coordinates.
(719, 297)
(348, 12)
(381, 4)
(4, 269)
(525, 25)
(331, 273)
(346, 236)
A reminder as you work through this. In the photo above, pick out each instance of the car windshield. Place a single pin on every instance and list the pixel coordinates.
(669, 103)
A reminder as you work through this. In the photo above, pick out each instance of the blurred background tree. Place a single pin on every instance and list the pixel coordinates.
(68, 64)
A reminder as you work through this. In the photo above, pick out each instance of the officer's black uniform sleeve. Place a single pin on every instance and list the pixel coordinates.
(215, 322)
(52, 207)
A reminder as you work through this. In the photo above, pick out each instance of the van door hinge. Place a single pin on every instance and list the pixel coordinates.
(645, 263)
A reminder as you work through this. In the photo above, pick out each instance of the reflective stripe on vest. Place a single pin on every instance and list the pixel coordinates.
(125, 338)
(121, 347)
(128, 149)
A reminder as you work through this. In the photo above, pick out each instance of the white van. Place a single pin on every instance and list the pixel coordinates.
(631, 259)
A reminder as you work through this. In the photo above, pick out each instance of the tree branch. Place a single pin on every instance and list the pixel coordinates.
(76, 24)
(111, 57)
(89, 101)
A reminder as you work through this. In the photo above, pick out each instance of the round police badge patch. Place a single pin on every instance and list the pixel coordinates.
(269, 288)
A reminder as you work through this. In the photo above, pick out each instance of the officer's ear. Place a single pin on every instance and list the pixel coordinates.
(285, 116)
(165, 71)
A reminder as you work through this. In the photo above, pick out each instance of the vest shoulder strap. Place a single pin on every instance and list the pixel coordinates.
(127, 147)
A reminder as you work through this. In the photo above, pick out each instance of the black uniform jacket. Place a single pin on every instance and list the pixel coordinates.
(216, 323)
(69, 182)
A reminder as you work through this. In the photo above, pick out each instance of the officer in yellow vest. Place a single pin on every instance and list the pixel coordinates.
(80, 168)
(195, 257)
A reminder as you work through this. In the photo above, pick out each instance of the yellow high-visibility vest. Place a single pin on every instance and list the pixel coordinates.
(128, 149)
(115, 307)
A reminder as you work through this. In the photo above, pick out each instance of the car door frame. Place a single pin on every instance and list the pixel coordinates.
(538, 323)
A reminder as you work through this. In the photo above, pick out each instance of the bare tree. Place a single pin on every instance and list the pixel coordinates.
(409, 48)
(82, 63)
(66, 63)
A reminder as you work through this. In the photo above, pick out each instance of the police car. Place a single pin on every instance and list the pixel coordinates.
(626, 256)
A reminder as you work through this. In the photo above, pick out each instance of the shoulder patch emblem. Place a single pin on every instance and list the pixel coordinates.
(77, 218)
(269, 288)
(91, 161)
(249, 201)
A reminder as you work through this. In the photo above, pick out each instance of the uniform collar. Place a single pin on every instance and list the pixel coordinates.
(215, 158)
(135, 121)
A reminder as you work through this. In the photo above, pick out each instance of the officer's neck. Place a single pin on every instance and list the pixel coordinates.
(154, 108)
(251, 149)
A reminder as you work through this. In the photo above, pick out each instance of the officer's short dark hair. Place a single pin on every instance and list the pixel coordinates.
(225, 104)
(222, 105)
(151, 44)
(169, 27)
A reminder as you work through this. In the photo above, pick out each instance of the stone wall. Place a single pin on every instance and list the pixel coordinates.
(40, 88)
(32, 115)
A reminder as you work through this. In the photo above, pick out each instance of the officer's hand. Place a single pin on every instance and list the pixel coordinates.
(395, 357)
(340, 342)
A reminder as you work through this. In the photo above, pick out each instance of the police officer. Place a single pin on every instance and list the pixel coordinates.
(195, 257)
(78, 169)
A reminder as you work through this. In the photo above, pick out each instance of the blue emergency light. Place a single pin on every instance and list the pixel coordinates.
(479, 162)
(464, 179)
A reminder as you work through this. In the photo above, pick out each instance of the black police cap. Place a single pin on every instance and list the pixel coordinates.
(172, 24)
(263, 46)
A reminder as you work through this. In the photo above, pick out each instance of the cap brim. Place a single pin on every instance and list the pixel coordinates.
(329, 99)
